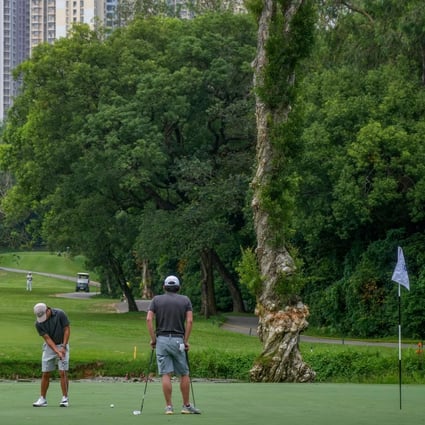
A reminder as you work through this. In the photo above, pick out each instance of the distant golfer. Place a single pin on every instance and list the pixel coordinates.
(53, 325)
(29, 281)
(173, 324)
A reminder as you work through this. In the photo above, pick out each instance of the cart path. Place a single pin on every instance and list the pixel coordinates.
(246, 325)
(53, 275)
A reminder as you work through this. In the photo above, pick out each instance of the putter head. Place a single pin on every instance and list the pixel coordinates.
(137, 412)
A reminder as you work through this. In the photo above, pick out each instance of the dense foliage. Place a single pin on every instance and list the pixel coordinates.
(360, 164)
(140, 147)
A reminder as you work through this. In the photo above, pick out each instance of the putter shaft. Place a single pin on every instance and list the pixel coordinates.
(190, 379)
(139, 412)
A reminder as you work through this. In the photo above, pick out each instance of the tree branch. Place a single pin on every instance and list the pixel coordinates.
(356, 9)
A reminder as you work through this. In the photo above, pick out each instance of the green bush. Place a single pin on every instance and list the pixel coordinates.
(332, 364)
(365, 366)
(221, 364)
(17, 369)
(206, 365)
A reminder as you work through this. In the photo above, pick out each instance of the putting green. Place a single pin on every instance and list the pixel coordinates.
(221, 403)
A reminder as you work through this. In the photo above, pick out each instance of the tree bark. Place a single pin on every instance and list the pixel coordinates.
(147, 293)
(120, 277)
(235, 293)
(209, 307)
(279, 328)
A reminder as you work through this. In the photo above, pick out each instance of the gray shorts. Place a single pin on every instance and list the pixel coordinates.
(50, 360)
(170, 356)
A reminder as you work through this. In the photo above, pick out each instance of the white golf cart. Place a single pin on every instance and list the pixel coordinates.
(83, 281)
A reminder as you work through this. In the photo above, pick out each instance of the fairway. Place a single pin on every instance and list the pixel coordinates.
(221, 403)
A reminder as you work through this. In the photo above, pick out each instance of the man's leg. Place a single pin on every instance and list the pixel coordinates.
(185, 388)
(64, 382)
(167, 388)
(45, 380)
(187, 408)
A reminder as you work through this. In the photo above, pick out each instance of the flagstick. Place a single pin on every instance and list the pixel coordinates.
(402, 278)
(399, 342)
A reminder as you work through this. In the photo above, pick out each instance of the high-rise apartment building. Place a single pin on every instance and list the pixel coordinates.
(26, 23)
(52, 19)
(14, 47)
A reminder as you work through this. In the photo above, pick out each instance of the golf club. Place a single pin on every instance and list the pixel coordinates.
(65, 377)
(139, 412)
(190, 379)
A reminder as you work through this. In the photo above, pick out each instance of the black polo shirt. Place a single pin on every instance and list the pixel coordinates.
(54, 326)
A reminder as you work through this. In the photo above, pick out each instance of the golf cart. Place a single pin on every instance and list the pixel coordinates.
(83, 281)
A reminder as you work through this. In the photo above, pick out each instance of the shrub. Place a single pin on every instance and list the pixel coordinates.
(333, 364)
(365, 366)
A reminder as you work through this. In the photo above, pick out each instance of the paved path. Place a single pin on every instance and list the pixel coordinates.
(122, 306)
(57, 276)
(248, 326)
(62, 277)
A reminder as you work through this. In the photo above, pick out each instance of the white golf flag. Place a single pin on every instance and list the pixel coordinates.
(400, 272)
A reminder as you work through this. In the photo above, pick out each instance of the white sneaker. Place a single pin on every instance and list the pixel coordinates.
(41, 402)
(190, 410)
(64, 402)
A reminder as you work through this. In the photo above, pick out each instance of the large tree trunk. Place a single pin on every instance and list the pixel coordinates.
(279, 328)
(118, 273)
(147, 292)
(235, 293)
(209, 307)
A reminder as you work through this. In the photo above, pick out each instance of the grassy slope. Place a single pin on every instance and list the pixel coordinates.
(37, 261)
(99, 334)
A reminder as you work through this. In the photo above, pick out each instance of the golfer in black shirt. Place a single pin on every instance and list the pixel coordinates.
(173, 317)
(52, 325)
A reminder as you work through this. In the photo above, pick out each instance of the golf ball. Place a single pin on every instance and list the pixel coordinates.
(112, 405)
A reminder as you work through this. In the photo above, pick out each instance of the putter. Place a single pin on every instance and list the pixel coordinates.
(139, 412)
(66, 378)
(190, 379)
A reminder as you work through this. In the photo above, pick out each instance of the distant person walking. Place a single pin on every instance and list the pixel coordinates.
(29, 281)
(173, 318)
(53, 326)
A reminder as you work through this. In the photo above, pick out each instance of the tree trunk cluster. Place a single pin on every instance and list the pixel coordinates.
(211, 261)
(280, 360)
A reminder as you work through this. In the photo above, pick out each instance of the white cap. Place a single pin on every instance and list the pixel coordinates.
(40, 310)
(172, 281)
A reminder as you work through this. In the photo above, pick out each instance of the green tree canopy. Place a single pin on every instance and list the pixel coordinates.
(360, 164)
(137, 146)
